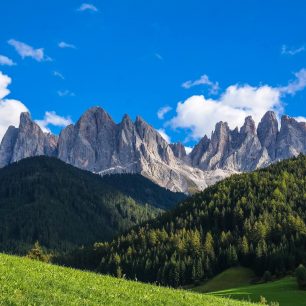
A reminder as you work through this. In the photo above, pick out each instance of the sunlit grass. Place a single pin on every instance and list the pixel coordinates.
(27, 282)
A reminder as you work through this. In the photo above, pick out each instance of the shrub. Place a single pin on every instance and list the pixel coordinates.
(37, 253)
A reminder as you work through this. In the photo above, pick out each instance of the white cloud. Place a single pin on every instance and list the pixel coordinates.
(25, 50)
(51, 118)
(64, 45)
(159, 57)
(200, 114)
(296, 85)
(163, 134)
(203, 80)
(66, 93)
(292, 51)
(188, 149)
(300, 119)
(9, 109)
(88, 7)
(4, 60)
(58, 74)
(5, 81)
(163, 111)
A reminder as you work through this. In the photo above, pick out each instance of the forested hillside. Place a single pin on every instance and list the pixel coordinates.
(43, 199)
(255, 219)
(144, 190)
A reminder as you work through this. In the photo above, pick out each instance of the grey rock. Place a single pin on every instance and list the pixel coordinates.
(96, 143)
(291, 139)
(249, 149)
(7, 146)
(25, 141)
(267, 132)
(31, 140)
(179, 150)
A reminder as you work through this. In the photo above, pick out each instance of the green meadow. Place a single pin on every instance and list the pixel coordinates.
(27, 282)
(234, 283)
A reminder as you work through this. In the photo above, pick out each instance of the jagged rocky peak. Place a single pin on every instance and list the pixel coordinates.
(220, 138)
(31, 140)
(90, 143)
(143, 128)
(235, 150)
(7, 146)
(96, 143)
(267, 132)
(96, 117)
(127, 121)
(25, 119)
(178, 150)
(198, 151)
(25, 141)
(249, 126)
(291, 139)
(149, 135)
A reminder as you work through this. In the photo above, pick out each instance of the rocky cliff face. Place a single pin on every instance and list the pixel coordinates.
(267, 132)
(250, 148)
(96, 143)
(291, 139)
(25, 141)
(179, 150)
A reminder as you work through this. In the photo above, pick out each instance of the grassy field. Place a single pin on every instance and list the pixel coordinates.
(235, 283)
(284, 291)
(27, 282)
(230, 278)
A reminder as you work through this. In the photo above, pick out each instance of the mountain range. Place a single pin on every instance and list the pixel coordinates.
(97, 144)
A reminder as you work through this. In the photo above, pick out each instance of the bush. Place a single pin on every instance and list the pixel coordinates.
(263, 300)
(300, 274)
(37, 253)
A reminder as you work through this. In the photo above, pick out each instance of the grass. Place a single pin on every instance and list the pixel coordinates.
(284, 291)
(234, 283)
(230, 278)
(27, 282)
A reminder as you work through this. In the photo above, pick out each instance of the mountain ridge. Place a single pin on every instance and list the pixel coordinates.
(98, 144)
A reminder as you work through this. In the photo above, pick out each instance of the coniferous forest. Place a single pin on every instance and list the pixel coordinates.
(43, 199)
(254, 219)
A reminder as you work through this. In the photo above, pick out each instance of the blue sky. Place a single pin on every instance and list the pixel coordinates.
(139, 56)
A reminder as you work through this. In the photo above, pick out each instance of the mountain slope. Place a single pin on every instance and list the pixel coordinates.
(45, 199)
(255, 219)
(144, 191)
(28, 282)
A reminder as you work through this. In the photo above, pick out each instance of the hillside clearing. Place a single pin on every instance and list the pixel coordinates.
(228, 279)
(284, 291)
